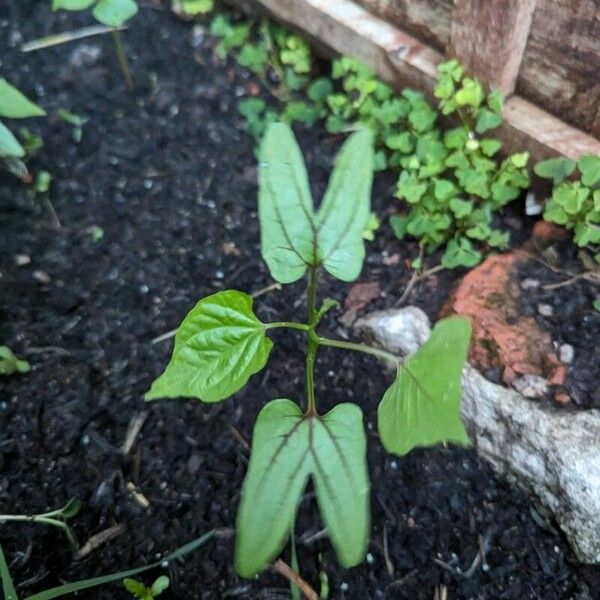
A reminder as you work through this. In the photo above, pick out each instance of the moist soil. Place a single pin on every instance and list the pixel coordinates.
(169, 177)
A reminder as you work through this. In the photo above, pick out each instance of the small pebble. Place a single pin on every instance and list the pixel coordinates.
(41, 276)
(531, 386)
(370, 559)
(529, 283)
(22, 259)
(344, 586)
(545, 310)
(567, 353)
(532, 206)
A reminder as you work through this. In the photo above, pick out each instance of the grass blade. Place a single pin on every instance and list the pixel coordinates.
(8, 587)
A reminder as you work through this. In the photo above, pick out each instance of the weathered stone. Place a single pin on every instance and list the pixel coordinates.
(531, 386)
(551, 453)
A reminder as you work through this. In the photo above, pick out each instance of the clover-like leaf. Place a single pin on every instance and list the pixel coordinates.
(460, 253)
(114, 13)
(486, 119)
(422, 406)
(557, 169)
(410, 188)
(218, 346)
(345, 210)
(288, 447)
(589, 166)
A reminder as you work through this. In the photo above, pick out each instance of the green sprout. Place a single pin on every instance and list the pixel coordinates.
(141, 592)
(14, 105)
(10, 363)
(221, 343)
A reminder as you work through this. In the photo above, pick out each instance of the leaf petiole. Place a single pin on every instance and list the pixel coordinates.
(359, 348)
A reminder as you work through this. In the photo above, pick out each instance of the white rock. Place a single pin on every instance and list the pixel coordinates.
(545, 310)
(529, 283)
(531, 386)
(551, 453)
(567, 353)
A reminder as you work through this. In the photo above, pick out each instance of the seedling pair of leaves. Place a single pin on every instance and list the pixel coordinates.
(14, 105)
(10, 363)
(453, 181)
(221, 343)
(139, 591)
(575, 204)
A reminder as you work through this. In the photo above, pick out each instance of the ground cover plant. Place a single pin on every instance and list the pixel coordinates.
(221, 343)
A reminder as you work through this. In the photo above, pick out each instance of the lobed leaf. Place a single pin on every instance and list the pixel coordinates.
(557, 169)
(287, 448)
(589, 166)
(218, 346)
(422, 406)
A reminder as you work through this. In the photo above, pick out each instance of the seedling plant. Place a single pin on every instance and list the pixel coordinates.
(14, 105)
(221, 343)
(112, 13)
(10, 363)
(139, 591)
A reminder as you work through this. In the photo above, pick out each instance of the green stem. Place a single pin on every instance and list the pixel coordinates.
(358, 348)
(288, 324)
(122, 58)
(312, 343)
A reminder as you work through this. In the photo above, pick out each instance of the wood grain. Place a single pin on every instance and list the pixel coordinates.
(489, 38)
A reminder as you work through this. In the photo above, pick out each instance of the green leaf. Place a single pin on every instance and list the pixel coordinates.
(345, 210)
(319, 89)
(14, 105)
(455, 139)
(114, 13)
(253, 57)
(587, 233)
(460, 254)
(9, 145)
(473, 182)
(137, 588)
(460, 208)
(410, 188)
(287, 448)
(490, 146)
(422, 118)
(399, 224)
(596, 304)
(495, 101)
(8, 587)
(10, 363)
(557, 169)
(470, 94)
(71, 508)
(197, 7)
(159, 585)
(218, 346)
(486, 119)
(444, 189)
(422, 406)
(589, 166)
(71, 4)
(285, 206)
(404, 142)
(502, 194)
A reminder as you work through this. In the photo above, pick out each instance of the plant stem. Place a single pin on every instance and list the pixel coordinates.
(312, 343)
(288, 324)
(358, 348)
(122, 58)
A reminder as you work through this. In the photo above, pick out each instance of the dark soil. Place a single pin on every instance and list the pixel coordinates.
(548, 282)
(169, 177)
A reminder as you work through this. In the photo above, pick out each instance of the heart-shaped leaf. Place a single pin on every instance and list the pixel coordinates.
(218, 346)
(589, 166)
(557, 169)
(287, 448)
(114, 13)
(422, 406)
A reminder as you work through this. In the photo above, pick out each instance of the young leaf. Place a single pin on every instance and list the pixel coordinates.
(137, 588)
(159, 586)
(71, 4)
(285, 206)
(8, 587)
(14, 105)
(486, 119)
(9, 145)
(287, 447)
(422, 407)
(345, 210)
(460, 253)
(277, 474)
(557, 169)
(114, 13)
(218, 346)
(589, 166)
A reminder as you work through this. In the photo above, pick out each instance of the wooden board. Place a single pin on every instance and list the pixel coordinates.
(561, 63)
(402, 60)
(427, 20)
(489, 38)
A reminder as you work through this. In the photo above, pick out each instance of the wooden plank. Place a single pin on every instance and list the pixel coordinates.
(400, 59)
(489, 39)
(561, 65)
(428, 20)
